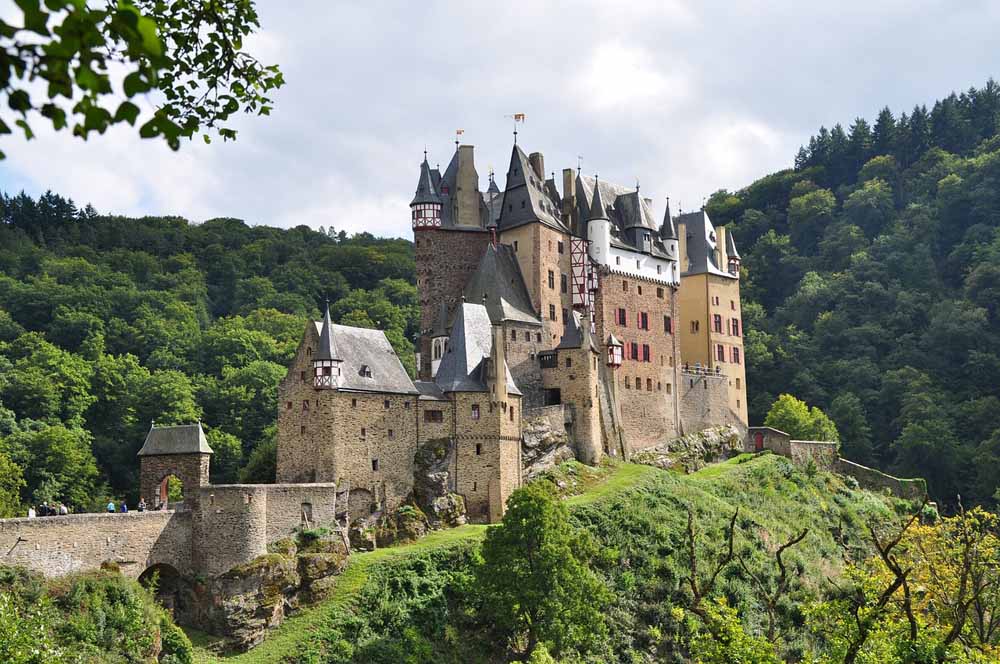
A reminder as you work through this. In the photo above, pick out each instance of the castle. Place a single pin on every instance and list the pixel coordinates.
(530, 298)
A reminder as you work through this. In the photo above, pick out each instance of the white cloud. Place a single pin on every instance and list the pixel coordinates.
(687, 97)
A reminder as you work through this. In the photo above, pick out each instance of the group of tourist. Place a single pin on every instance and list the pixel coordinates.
(60, 509)
(45, 509)
(123, 508)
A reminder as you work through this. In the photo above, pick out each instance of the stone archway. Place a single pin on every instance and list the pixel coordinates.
(169, 493)
(167, 585)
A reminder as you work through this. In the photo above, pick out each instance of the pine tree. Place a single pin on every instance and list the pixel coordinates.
(884, 133)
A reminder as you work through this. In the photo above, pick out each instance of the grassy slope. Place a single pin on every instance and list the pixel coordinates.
(283, 642)
(640, 512)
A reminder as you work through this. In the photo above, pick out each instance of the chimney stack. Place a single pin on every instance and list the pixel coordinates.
(537, 162)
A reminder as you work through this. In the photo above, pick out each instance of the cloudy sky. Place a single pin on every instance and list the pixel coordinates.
(685, 97)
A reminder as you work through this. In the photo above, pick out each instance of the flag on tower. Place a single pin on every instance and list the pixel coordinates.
(519, 117)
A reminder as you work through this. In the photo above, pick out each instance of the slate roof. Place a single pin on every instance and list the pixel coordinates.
(426, 187)
(429, 391)
(499, 278)
(731, 247)
(361, 347)
(577, 334)
(668, 230)
(440, 327)
(326, 350)
(525, 199)
(631, 215)
(701, 245)
(463, 367)
(178, 439)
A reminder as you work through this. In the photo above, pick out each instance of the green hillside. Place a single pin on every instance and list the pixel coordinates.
(871, 288)
(419, 603)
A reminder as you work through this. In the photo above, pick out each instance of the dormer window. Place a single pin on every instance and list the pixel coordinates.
(365, 372)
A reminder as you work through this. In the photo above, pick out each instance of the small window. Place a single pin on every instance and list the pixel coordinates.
(433, 416)
(474, 486)
(511, 413)
(736, 355)
(563, 283)
(309, 350)
(375, 465)
(522, 205)
(475, 411)
(560, 247)
(645, 352)
(569, 362)
(649, 384)
(552, 279)
(305, 406)
(364, 432)
(720, 352)
(669, 388)
(392, 434)
(732, 305)
(288, 405)
(515, 245)
(548, 360)
(622, 318)
(565, 318)
(366, 371)
(302, 376)
(737, 383)
(385, 404)
(513, 335)
(479, 449)
(628, 383)
(659, 292)
(538, 337)
(406, 405)
(618, 260)
(638, 288)
(302, 429)
(354, 403)
(624, 286)
(552, 312)
(668, 325)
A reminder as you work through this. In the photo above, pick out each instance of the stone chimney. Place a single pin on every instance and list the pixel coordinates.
(467, 182)
(537, 162)
(569, 197)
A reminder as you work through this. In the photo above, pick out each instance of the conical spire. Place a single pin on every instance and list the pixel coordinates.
(668, 231)
(327, 350)
(426, 191)
(597, 209)
(731, 246)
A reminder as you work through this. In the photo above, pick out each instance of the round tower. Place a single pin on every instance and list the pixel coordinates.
(326, 360)
(425, 208)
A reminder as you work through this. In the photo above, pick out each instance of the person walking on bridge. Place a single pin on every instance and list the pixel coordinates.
(111, 507)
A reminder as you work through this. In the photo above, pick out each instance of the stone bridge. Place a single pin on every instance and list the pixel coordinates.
(136, 541)
(226, 525)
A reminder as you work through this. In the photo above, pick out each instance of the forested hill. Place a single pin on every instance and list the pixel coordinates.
(109, 323)
(872, 288)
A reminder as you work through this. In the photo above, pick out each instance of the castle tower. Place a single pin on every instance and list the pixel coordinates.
(711, 328)
(531, 222)
(180, 451)
(449, 219)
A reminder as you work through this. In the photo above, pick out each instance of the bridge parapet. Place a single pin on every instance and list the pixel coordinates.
(61, 544)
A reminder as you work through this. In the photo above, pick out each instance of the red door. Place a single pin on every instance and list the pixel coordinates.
(758, 441)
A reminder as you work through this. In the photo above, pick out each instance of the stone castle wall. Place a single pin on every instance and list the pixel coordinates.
(230, 527)
(445, 260)
(876, 480)
(823, 454)
(191, 470)
(704, 402)
(522, 344)
(135, 541)
(645, 390)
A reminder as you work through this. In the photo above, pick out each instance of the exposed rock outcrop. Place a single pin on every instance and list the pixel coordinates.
(694, 450)
(545, 443)
(432, 483)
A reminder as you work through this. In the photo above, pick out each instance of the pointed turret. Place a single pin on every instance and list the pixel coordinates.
(668, 231)
(326, 360)
(732, 256)
(597, 208)
(426, 204)
(327, 350)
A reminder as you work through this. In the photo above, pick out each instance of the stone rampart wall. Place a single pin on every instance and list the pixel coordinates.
(704, 402)
(876, 480)
(230, 527)
(822, 453)
(61, 544)
(292, 506)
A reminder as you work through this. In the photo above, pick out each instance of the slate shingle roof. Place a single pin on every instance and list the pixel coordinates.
(360, 348)
(701, 245)
(499, 278)
(178, 439)
(525, 199)
(463, 367)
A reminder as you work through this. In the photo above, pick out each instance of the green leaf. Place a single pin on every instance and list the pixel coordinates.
(127, 112)
(28, 134)
(150, 39)
(134, 83)
(19, 101)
